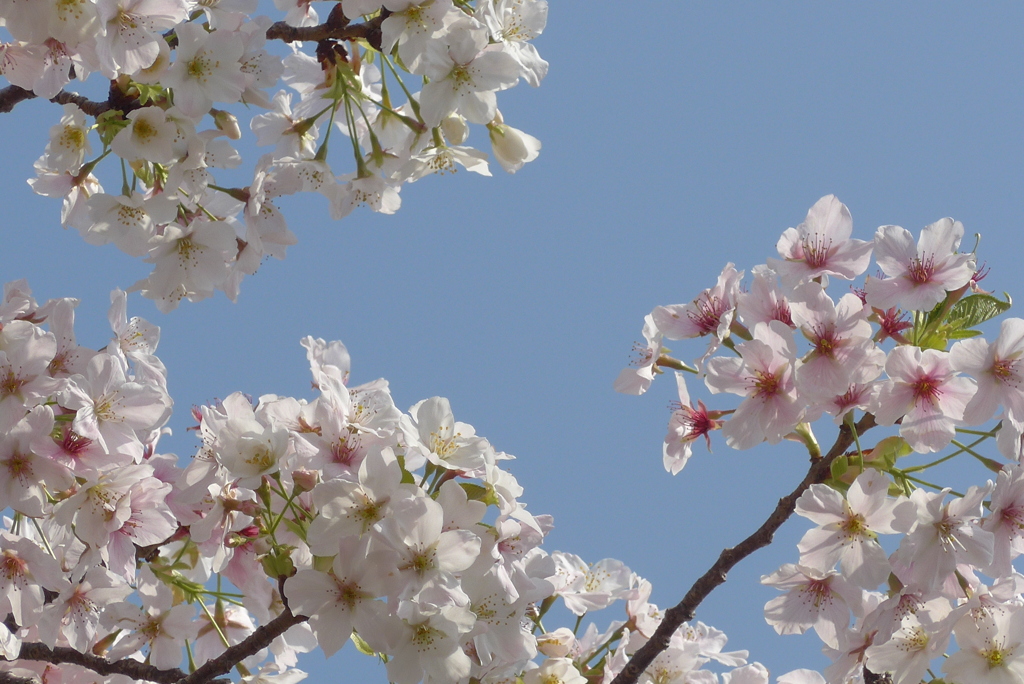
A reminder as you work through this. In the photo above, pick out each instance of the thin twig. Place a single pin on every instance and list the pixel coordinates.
(684, 612)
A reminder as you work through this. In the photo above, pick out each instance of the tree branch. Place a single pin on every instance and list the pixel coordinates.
(8, 678)
(207, 674)
(12, 95)
(261, 638)
(336, 27)
(716, 575)
(128, 668)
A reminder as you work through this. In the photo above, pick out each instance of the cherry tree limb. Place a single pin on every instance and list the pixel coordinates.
(716, 575)
(335, 28)
(129, 668)
(260, 639)
(206, 674)
(12, 95)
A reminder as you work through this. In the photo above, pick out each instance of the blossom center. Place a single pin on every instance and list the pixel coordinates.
(816, 250)
(706, 313)
(766, 384)
(921, 270)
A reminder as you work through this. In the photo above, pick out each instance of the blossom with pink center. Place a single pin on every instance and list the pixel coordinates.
(821, 599)
(857, 396)
(999, 369)
(638, 376)
(764, 375)
(711, 313)
(941, 535)
(842, 352)
(344, 599)
(75, 613)
(765, 301)
(687, 424)
(921, 274)
(821, 245)
(1006, 519)
(927, 393)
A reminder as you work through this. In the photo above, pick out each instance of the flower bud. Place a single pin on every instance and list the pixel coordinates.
(455, 129)
(227, 124)
(556, 644)
(304, 480)
(512, 147)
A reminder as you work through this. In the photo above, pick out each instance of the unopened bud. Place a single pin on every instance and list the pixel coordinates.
(304, 480)
(455, 129)
(512, 147)
(226, 123)
(556, 644)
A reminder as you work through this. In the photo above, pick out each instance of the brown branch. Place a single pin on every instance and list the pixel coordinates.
(207, 674)
(8, 678)
(129, 668)
(335, 28)
(716, 575)
(261, 638)
(12, 95)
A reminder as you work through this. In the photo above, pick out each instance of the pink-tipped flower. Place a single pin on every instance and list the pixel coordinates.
(711, 313)
(921, 274)
(688, 423)
(821, 245)
(927, 393)
(764, 375)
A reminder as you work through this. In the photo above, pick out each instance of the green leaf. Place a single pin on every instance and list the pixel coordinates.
(840, 466)
(963, 334)
(976, 309)
(148, 93)
(474, 491)
(296, 528)
(935, 340)
(888, 451)
(361, 645)
(109, 124)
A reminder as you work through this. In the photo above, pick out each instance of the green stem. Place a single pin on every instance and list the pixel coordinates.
(990, 433)
(412, 101)
(925, 483)
(35, 523)
(220, 632)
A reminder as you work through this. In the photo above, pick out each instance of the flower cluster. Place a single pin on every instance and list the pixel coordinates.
(175, 65)
(902, 349)
(334, 519)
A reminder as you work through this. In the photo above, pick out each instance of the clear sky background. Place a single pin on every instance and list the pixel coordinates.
(677, 137)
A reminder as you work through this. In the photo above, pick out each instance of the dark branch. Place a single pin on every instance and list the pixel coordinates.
(207, 674)
(261, 638)
(8, 678)
(129, 668)
(333, 28)
(12, 95)
(716, 575)
(336, 27)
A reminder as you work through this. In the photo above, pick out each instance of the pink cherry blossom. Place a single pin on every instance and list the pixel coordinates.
(821, 245)
(998, 367)
(764, 375)
(921, 274)
(925, 391)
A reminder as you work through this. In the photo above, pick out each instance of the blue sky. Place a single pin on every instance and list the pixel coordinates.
(677, 137)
